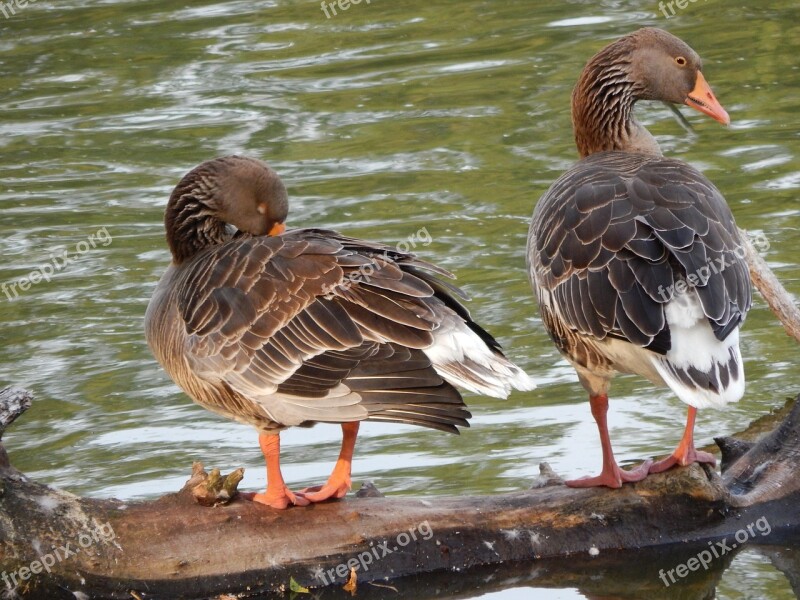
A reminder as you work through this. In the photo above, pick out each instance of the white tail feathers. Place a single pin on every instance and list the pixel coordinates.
(701, 370)
(460, 356)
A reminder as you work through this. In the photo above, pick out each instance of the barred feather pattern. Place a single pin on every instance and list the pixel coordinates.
(311, 326)
(638, 267)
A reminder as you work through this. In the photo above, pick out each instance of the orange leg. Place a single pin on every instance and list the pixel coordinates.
(339, 482)
(611, 475)
(277, 494)
(685, 453)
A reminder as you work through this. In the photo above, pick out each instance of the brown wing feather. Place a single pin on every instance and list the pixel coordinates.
(315, 326)
(611, 237)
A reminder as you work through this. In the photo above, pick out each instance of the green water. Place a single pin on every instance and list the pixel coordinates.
(383, 119)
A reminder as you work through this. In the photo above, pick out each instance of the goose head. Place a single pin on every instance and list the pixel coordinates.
(219, 197)
(648, 64)
(669, 70)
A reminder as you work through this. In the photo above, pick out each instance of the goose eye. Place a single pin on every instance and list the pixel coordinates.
(681, 61)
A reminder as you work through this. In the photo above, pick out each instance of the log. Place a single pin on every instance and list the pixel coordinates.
(56, 545)
(779, 300)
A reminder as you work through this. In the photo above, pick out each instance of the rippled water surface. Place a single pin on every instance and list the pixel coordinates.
(386, 118)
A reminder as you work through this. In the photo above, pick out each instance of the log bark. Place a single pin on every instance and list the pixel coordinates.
(175, 547)
(779, 300)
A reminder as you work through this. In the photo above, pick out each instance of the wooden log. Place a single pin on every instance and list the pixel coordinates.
(778, 299)
(55, 545)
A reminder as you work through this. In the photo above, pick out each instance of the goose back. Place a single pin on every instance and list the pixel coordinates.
(619, 237)
(313, 326)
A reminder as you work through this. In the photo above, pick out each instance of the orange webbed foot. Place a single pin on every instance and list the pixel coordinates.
(337, 486)
(691, 456)
(277, 495)
(685, 453)
(279, 498)
(339, 483)
(613, 476)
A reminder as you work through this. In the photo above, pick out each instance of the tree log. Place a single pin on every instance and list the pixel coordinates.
(175, 547)
(779, 300)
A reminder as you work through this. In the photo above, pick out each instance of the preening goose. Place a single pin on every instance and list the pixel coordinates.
(277, 328)
(635, 258)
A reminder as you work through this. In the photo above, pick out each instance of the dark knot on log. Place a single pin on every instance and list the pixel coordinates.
(732, 449)
(767, 471)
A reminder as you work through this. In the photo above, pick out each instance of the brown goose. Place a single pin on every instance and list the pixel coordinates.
(635, 258)
(278, 328)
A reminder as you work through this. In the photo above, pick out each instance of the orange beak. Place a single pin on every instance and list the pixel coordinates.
(277, 229)
(701, 98)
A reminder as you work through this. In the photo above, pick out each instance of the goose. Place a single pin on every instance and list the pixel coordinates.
(280, 328)
(635, 259)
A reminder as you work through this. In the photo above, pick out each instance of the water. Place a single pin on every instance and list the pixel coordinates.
(383, 119)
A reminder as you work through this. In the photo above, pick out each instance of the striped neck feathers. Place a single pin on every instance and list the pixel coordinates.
(191, 221)
(602, 105)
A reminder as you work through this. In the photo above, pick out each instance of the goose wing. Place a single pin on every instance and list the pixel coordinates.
(620, 235)
(314, 326)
